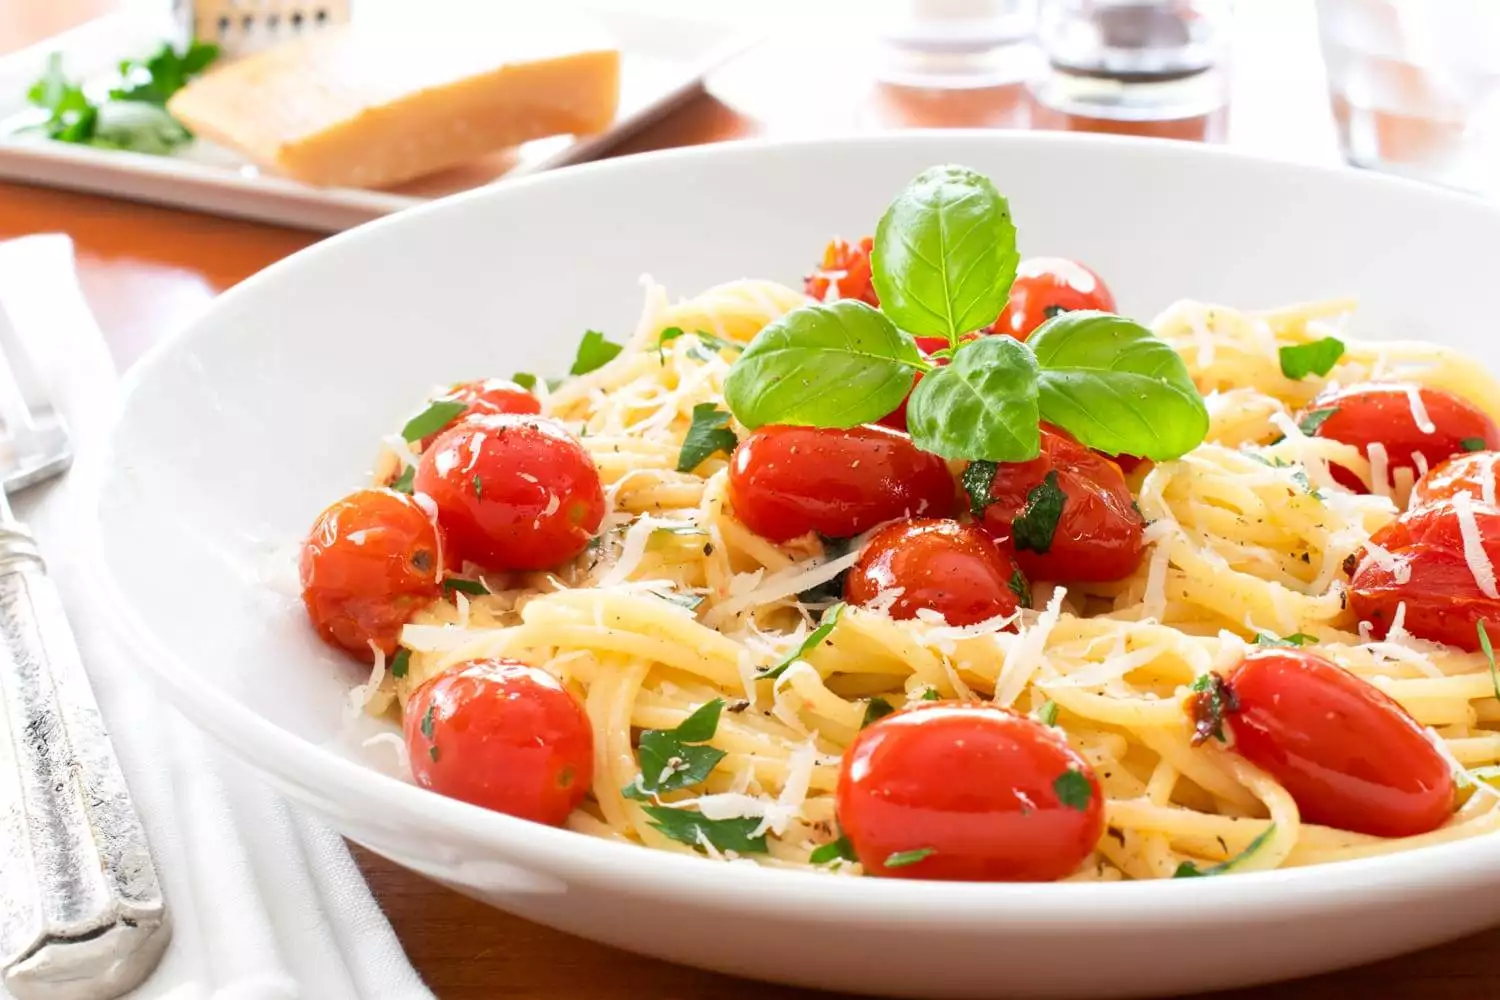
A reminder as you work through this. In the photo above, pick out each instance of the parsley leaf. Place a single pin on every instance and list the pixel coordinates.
(1472, 444)
(837, 850)
(676, 758)
(463, 586)
(157, 78)
(439, 414)
(1073, 790)
(400, 663)
(875, 710)
(1021, 587)
(903, 858)
(594, 351)
(1314, 419)
(709, 433)
(1295, 639)
(427, 726)
(1189, 870)
(823, 631)
(1037, 523)
(977, 480)
(1482, 627)
(1047, 714)
(403, 482)
(1316, 358)
(1211, 700)
(693, 828)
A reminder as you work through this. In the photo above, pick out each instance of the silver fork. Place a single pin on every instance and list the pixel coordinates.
(81, 911)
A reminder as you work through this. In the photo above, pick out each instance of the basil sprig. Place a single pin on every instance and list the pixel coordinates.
(943, 261)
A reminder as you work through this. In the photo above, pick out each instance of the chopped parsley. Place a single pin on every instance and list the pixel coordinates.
(931, 694)
(403, 482)
(594, 351)
(1211, 700)
(478, 487)
(1472, 444)
(695, 829)
(439, 414)
(825, 628)
(903, 858)
(400, 662)
(1295, 639)
(1189, 870)
(1309, 424)
(875, 710)
(977, 480)
(1021, 587)
(833, 852)
(525, 380)
(689, 601)
(709, 433)
(1073, 790)
(1037, 523)
(1315, 358)
(463, 586)
(677, 758)
(426, 724)
(1047, 714)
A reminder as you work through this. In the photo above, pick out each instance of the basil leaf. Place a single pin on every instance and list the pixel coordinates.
(1047, 714)
(1472, 444)
(1309, 424)
(594, 351)
(1211, 700)
(977, 480)
(693, 828)
(1189, 870)
(403, 483)
(464, 586)
(875, 710)
(1116, 386)
(825, 628)
(1316, 358)
(400, 663)
(439, 414)
(671, 759)
(944, 254)
(709, 433)
(1295, 639)
(838, 364)
(903, 858)
(1021, 587)
(838, 850)
(1073, 790)
(1035, 526)
(982, 406)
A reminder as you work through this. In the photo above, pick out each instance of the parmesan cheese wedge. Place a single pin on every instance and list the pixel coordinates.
(372, 106)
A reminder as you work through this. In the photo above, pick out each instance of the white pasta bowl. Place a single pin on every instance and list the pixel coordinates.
(235, 433)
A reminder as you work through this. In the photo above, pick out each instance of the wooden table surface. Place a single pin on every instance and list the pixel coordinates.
(149, 270)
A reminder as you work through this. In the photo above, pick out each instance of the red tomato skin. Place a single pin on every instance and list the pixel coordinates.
(1381, 413)
(973, 783)
(512, 522)
(1350, 756)
(1467, 471)
(1045, 286)
(786, 481)
(1443, 601)
(371, 560)
(844, 271)
(501, 735)
(488, 396)
(949, 567)
(1098, 537)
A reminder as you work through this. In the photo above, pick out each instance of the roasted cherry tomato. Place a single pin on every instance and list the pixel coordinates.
(512, 493)
(1349, 755)
(370, 561)
(502, 735)
(967, 792)
(1474, 472)
(1046, 286)
(1384, 414)
(492, 395)
(786, 481)
(1421, 563)
(1097, 535)
(844, 273)
(954, 569)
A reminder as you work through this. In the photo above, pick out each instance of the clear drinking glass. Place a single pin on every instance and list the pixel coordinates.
(1415, 87)
(1133, 60)
(955, 43)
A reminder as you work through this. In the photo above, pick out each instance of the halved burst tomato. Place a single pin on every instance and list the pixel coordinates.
(844, 273)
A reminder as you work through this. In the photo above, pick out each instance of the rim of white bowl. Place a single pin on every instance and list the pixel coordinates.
(570, 855)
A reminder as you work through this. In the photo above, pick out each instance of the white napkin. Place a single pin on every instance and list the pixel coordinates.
(265, 903)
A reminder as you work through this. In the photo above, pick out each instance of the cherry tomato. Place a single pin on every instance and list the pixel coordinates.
(512, 493)
(1423, 566)
(1370, 413)
(951, 568)
(502, 735)
(786, 481)
(1349, 755)
(1098, 535)
(989, 796)
(845, 270)
(1475, 472)
(1046, 286)
(371, 561)
(492, 395)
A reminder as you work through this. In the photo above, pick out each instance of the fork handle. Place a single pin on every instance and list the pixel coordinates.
(81, 912)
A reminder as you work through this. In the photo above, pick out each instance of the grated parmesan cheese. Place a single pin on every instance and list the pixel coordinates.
(1480, 566)
(1380, 478)
(1420, 461)
(1400, 569)
(1419, 410)
(782, 584)
(360, 694)
(1025, 656)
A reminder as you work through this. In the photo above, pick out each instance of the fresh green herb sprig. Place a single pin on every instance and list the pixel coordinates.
(1189, 870)
(677, 758)
(943, 261)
